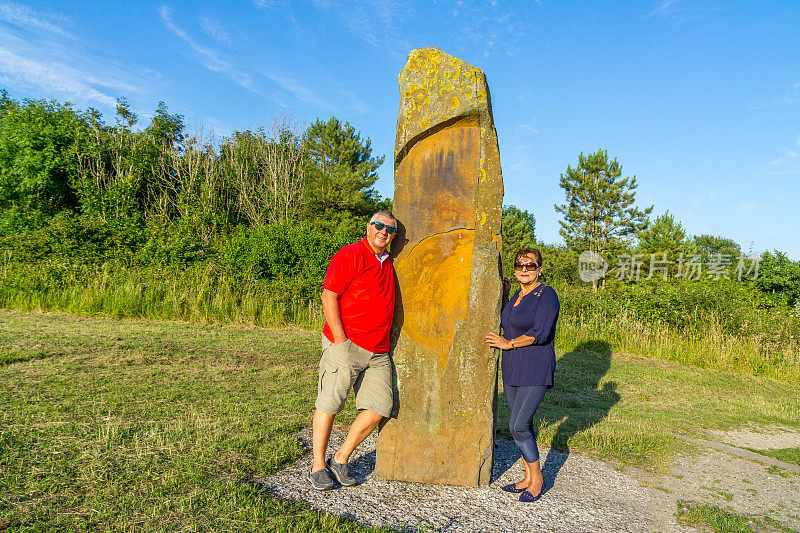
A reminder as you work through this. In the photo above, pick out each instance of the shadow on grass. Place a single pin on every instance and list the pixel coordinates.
(575, 403)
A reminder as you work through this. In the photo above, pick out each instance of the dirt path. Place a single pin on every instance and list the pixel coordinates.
(731, 476)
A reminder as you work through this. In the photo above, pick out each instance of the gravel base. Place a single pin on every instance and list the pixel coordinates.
(582, 494)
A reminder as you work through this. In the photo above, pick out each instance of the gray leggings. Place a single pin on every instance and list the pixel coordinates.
(523, 402)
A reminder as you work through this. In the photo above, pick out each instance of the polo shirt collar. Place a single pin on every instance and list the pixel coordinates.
(381, 258)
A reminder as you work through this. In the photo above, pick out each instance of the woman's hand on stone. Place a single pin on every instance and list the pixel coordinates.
(496, 341)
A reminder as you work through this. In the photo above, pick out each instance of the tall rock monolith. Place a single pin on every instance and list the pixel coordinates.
(448, 193)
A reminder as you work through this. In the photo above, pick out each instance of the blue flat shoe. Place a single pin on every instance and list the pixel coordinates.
(512, 488)
(527, 497)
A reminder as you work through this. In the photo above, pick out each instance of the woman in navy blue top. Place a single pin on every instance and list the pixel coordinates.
(529, 361)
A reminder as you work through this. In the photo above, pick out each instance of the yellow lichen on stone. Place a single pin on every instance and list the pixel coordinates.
(483, 219)
(453, 102)
(483, 173)
(497, 240)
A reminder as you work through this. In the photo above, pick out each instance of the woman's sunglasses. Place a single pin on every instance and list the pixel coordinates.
(528, 266)
(380, 225)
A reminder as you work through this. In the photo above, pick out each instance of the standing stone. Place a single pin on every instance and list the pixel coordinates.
(448, 193)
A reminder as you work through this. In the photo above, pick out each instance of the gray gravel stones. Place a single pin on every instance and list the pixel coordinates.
(582, 494)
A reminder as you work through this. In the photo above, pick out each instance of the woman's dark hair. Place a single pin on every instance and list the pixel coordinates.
(529, 251)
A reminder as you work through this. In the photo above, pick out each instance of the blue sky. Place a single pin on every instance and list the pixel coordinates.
(700, 100)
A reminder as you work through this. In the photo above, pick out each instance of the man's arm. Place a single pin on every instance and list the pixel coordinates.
(330, 306)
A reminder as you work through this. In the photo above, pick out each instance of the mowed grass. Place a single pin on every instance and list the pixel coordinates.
(156, 426)
(632, 410)
(164, 426)
(788, 455)
(716, 519)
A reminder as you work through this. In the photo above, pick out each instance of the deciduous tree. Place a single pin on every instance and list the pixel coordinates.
(39, 143)
(779, 277)
(665, 240)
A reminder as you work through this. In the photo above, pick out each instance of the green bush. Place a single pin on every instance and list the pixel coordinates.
(300, 250)
(72, 238)
(735, 307)
(175, 244)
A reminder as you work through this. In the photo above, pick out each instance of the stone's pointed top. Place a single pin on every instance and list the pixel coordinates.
(434, 55)
(436, 87)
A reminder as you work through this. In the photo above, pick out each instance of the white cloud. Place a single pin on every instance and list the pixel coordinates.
(26, 18)
(663, 8)
(38, 56)
(684, 10)
(378, 23)
(52, 78)
(788, 163)
(210, 57)
(215, 29)
(527, 128)
(790, 96)
(215, 61)
(303, 93)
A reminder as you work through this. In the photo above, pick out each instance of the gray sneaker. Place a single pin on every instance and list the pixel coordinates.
(341, 472)
(321, 479)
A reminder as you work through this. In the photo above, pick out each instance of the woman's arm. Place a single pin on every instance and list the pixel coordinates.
(544, 318)
(497, 341)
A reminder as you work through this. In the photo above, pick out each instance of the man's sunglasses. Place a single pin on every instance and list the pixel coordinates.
(380, 225)
(528, 266)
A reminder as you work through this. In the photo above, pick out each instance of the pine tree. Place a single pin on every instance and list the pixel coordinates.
(339, 170)
(710, 245)
(518, 231)
(599, 215)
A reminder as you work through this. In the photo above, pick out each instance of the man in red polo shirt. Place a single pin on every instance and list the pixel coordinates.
(358, 302)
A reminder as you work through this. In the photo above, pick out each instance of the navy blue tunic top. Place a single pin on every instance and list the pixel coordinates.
(535, 316)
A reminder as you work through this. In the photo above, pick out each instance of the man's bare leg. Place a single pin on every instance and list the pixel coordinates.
(362, 426)
(321, 428)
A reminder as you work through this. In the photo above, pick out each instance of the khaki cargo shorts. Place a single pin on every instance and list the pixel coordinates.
(348, 365)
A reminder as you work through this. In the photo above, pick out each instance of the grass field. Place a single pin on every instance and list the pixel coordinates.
(130, 424)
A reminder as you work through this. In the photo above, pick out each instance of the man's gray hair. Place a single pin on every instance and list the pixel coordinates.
(385, 214)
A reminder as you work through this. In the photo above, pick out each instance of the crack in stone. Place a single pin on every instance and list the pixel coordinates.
(448, 230)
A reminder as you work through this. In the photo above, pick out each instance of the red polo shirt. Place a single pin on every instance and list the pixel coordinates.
(365, 286)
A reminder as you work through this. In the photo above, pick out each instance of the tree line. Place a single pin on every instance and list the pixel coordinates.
(75, 187)
(54, 158)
